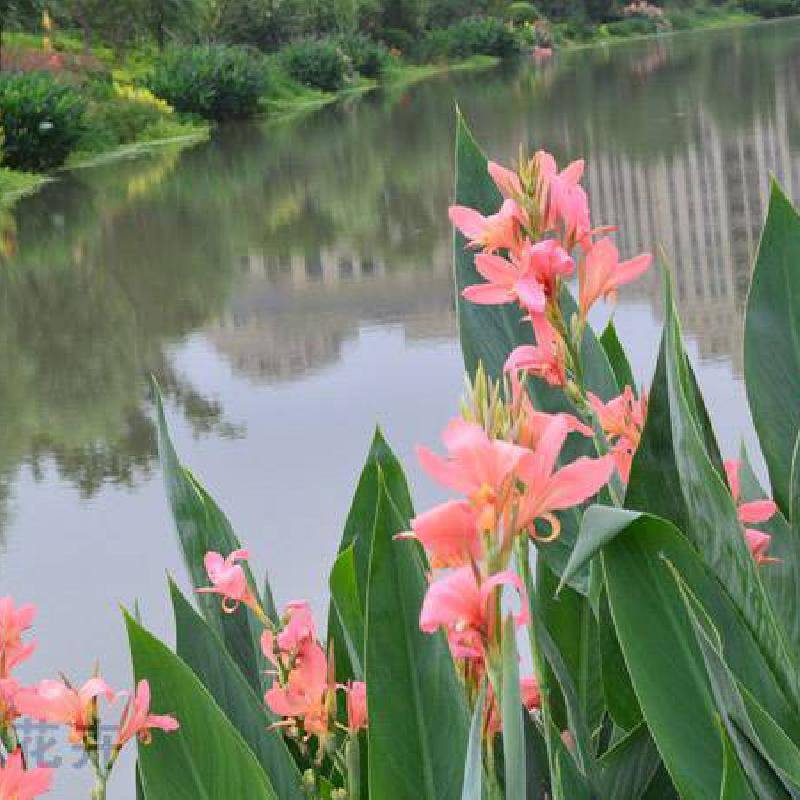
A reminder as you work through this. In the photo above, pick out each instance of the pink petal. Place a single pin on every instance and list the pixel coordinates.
(487, 294)
(468, 221)
(578, 481)
(531, 295)
(630, 270)
(496, 269)
(732, 473)
(506, 180)
(757, 511)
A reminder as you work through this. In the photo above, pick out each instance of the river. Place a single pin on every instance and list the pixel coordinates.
(288, 282)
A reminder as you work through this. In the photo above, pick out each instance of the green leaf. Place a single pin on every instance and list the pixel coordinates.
(473, 768)
(660, 649)
(513, 729)
(617, 357)
(675, 476)
(629, 767)
(357, 535)
(772, 343)
(734, 781)
(729, 696)
(201, 527)
(348, 609)
(572, 626)
(617, 688)
(418, 718)
(200, 647)
(206, 759)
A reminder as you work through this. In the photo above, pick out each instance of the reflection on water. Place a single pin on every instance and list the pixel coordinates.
(289, 284)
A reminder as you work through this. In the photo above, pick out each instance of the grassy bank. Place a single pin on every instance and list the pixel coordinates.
(573, 35)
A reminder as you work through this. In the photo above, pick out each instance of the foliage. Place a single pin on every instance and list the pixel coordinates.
(370, 59)
(214, 81)
(473, 36)
(772, 8)
(520, 12)
(318, 63)
(42, 120)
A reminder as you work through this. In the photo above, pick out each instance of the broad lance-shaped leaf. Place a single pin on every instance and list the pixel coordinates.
(617, 357)
(772, 343)
(207, 758)
(629, 767)
(674, 476)
(571, 624)
(618, 693)
(350, 572)
(201, 527)
(349, 614)
(511, 710)
(201, 649)
(418, 718)
(772, 765)
(782, 578)
(659, 646)
(734, 782)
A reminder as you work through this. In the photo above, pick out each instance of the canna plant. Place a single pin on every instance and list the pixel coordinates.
(605, 609)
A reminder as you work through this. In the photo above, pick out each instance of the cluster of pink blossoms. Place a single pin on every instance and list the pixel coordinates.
(304, 690)
(57, 701)
(751, 513)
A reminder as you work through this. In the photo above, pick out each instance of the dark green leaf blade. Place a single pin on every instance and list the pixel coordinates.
(772, 343)
(413, 693)
(617, 357)
(191, 764)
(200, 647)
(201, 527)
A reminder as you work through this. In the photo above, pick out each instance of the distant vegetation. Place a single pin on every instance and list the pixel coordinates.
(83, 77)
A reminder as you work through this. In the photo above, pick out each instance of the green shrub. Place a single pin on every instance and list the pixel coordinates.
(369, 58)
(474, 36)
(214, 81)
(319, 63)
(520, 12)
(773, 8)
(634, 26)
(398, 39)
(42, 120)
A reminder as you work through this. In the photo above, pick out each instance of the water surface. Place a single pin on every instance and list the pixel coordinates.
(288, 282)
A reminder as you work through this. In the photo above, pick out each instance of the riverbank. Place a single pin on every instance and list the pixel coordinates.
(126, 122)
(573, 36)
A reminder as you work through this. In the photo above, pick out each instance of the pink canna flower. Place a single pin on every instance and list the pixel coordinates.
(228, 579)
(449, 533)
(55, 701)
(137, 721)
(545, 359)
(508, 282)
(13, 623)
(564, 205)
(477, 466)
(532, 424)
(548, 489)
(306, 693)
(17, 783)
(298, 628)
(547, 261)
(356, 706)
(751, 513)
(460, 605)
(498, 231)
(600, 273)
(622, 420)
